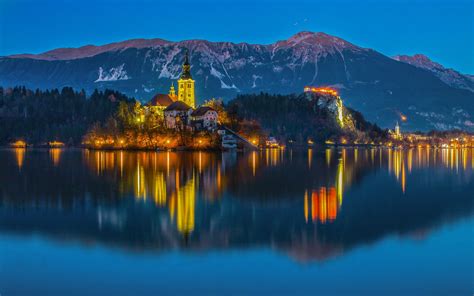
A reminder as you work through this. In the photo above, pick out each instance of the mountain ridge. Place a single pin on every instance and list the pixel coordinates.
(89, 50)
(447, 75)
(381, 87)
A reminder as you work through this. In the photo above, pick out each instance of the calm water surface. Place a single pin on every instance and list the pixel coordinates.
(319, 221)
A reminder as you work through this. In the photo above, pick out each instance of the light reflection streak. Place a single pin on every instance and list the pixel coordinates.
(163, 179)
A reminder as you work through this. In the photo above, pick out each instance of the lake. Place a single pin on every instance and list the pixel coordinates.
(317, 221)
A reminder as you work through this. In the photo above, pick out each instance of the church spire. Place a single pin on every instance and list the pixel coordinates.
(172, 92)
(186, 84)
(186, 74)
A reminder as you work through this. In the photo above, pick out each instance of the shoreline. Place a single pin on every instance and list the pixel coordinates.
(189, 149)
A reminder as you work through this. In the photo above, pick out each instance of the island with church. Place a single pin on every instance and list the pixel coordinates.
(110, 120)
(175, 121)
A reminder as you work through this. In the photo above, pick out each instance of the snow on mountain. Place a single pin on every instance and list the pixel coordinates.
(448, 76)
(113, 74)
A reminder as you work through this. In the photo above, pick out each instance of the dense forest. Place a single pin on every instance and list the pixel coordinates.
(109, 117)
(299, 118)
(105, 119)
(53, 115)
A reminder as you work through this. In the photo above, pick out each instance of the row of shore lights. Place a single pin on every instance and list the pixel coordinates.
(122, 142)
(23, 144)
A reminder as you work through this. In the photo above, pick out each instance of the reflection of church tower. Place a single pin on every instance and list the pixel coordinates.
(186, 84)
(185, 208)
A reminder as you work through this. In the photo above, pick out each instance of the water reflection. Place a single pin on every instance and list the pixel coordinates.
(312, 203)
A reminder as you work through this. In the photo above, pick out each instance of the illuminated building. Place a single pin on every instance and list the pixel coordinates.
(204, 118)
(180, 108)
(396, 134)
(185, 91)
(186, 84)
(177, 115)
(325, 90)
(18, 144)
(160, 101)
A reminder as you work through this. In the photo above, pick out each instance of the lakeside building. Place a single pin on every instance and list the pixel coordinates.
(179, 110)
(177, 115)
(204, 118)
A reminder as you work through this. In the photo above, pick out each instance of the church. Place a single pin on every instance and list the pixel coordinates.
(185, 90)
(181, 107)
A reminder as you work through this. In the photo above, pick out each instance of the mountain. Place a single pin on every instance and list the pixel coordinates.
(449, 76)
(380, 87)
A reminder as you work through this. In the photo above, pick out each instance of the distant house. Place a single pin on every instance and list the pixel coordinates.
(177, 115)
(271, 142)
(204, 118)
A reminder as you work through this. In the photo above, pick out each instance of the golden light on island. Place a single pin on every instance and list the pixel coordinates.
(56, 144)
(18, 144)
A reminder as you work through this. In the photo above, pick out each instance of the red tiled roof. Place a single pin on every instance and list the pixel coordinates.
(163, 100)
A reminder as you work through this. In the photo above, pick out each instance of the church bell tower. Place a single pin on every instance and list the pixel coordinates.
(186, 84)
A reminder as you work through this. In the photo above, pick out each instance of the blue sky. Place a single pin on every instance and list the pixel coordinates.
(441, 29)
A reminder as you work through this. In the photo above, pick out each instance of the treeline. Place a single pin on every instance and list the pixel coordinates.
(109, 118)
(54, 115)
(297, 118)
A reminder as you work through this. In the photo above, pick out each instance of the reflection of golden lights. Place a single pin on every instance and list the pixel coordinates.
(310, 157)
(305, 206)
(20, 156)
(324, 205)
(328, 157)
(254, 156)
(185, 211)
(55, 154)
(340, 181)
